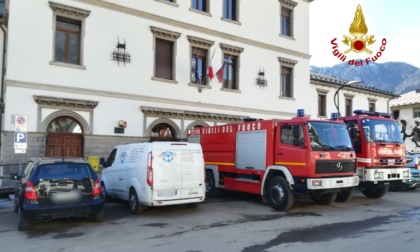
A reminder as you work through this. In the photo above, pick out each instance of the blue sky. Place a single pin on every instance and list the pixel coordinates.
(398, 21)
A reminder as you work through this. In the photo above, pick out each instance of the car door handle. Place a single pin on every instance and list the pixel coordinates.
(120, 179)
(279, 154)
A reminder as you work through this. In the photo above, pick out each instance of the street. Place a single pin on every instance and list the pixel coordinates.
(232, 222)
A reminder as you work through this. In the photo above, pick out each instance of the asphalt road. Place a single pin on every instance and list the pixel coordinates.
(233, 222)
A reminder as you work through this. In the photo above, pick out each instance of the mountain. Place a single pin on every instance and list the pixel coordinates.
(397, 77)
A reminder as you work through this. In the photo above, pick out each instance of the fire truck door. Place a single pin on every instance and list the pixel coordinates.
(291, 150)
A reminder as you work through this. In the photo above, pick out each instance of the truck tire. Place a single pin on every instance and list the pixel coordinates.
(210, 183)
(133, 202)
(376, 193)
(280, 196)
(324, 199)
(345, 195)
(104, 192)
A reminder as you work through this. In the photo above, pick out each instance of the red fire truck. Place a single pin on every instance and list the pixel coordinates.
(279, 159)
(380, 151)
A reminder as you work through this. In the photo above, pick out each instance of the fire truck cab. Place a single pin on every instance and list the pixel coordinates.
(380, 151)
(279, 159)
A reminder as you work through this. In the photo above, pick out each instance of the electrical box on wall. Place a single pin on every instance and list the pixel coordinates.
(119, 130)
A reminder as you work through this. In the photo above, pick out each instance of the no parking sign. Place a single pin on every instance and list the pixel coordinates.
(20, 137)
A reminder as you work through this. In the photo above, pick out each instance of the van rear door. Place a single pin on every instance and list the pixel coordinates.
(178, 171)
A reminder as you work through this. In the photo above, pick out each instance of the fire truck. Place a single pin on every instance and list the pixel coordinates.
(279, 159)
(380, 151)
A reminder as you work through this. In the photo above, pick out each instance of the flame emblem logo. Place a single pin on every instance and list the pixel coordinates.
(358, 29)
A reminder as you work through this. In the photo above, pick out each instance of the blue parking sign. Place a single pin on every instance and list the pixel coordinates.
(20, 137)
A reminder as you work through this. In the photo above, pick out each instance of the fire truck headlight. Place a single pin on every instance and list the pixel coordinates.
(378, 175)
(316, 183)
(406, 174)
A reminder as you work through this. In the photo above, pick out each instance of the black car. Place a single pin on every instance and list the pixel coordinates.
(57, 188)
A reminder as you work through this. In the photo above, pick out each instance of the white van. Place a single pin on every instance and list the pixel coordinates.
(155, 174)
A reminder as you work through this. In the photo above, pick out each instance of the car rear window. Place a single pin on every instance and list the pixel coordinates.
(64, 171)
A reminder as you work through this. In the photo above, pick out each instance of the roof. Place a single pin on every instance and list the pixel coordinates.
(409, 98)
(340, 82)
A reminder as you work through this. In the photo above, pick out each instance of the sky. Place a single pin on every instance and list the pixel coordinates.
(396, 21)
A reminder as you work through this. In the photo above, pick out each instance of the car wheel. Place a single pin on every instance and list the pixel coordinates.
(23, 222)
(133, 202)
(280, 196)
(97, 217)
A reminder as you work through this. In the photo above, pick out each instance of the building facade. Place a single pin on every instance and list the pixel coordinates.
(352, 95)
(406, 110)
(90, 74)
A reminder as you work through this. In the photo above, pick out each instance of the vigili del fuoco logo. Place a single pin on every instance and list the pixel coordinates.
(359, 42)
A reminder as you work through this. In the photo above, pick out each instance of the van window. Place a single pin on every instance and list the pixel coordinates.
(111, 158)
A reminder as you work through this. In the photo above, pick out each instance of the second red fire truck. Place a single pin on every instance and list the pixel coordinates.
(279, 159)
(380, 151)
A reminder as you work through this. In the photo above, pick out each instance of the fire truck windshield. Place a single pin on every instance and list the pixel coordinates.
(330, 136)
(381, 131)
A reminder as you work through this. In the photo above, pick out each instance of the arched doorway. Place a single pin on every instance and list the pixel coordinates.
(163, 131)
(64, 138)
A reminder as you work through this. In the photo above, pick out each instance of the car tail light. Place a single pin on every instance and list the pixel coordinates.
(149, 170)
(97, 188)
(30, 192)
(417, 167)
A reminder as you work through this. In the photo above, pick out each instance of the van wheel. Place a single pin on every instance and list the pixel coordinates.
(345, 195)
(133, 202)
(104, 192)
(23, 223)
(191, 205)
(210, 184)
(324, 199)
(280, 196)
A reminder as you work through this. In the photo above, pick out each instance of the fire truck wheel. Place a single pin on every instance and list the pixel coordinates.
(210, 184)
(324, 199)
(280, 196)
(376, 193)
(345, 195)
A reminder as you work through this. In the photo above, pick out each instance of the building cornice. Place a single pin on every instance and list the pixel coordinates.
(64, 102)
(118, 95)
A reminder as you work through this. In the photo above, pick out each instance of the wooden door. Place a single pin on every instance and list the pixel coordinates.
(64, 145)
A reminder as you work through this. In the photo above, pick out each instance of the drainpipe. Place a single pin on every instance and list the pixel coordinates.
(3, 73)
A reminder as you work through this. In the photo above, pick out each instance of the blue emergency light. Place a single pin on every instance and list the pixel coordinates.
(301, 112)
(371, 113)
(334, 116)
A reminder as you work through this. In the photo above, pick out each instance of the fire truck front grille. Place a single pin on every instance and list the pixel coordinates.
(334, 166)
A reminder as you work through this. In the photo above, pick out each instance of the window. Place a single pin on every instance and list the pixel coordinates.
(286, 17)
(322, 102)
(286, 77)
(416, 113)
(200, 5)
(199, 60)
(230, 67)
(230, 72)
(287, 137)
(199, 63)
(165, 44)
(322, 105)
(230, 10)
(349, 106)
(372, 104)
(68, 34)
(286, 82)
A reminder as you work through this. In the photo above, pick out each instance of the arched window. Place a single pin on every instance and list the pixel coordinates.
(65, 124)
(163, 130)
